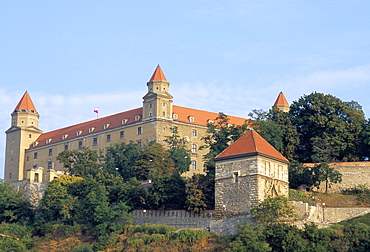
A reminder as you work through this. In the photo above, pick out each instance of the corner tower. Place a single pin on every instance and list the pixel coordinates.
(247, 172)
(22, 132)
(281, 103)
(158, 101)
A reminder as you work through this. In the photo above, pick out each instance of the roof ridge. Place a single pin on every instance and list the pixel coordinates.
(158, 75)
(254, 141)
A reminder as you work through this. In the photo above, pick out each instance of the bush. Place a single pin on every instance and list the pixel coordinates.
(86, 248)
(295, 195)
(191, 236)
(153, 229)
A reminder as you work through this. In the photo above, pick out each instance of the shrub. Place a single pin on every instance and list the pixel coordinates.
(190, 236)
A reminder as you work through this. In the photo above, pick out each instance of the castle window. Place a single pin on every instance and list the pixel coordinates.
(150, 114)
(164, 104)
(267, 168)
(50, 152)
(193, 164)
(194, 132)
(95, 141)
(48, 141)
(79, 133)
(193, 148)
(124, 121)
(28, 158)
(108, 138)
(174, 129)
(236, 177)
(64, 137)
(22, 121)
(66, 147)
(210, 121)
(163, 114)
(139, 131)
(29, 136)
(122, 134)
(91, 130)
(139, 143)
(191, 119)
(35, 155)
(137, 118)
(23, 110)
(175, 116)
(150, 105)
(106, 126)
(80, 144)
(10, 175)
(50, 165)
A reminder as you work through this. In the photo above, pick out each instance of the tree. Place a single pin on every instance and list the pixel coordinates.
(249, 238)
(273, 210)
(122, 156)
(313, 176)
(154, 161)
(13, 206)
(178, 151)
(276, 127)
(200, 193)
(167, 192)
(327, 174)
(81, 162)
(220, 135)
(329, 129)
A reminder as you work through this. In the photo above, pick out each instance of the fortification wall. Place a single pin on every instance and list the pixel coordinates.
(175, 218)
(353, 173)
(33, 191)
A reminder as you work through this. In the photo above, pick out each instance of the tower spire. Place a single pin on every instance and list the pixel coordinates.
(25, 104)
(281, 103)
(158, 75)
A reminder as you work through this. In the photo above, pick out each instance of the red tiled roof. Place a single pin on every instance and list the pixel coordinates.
(250, 143)
(158, 75)
(202, 117)
(25, 104)
(281, 100)
(114, 121)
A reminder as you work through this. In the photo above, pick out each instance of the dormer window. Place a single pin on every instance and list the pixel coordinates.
(48, 140)
(124, 121)
(106, 126)
(175, 116)
(91, 130)
(137, 118)
(79, 133)
(64, 137)
(35, 144)
(209, 121)
(191, 119)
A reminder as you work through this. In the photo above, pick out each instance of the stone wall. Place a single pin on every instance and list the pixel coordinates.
(353, 173)
(175, 218)
(33, 191)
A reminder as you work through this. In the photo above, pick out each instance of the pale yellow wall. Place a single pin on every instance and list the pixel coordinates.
(151, 130)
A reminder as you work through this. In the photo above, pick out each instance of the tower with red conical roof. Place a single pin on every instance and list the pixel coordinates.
(21, 134)
(281, 103)
(247, 172)
(157, 103)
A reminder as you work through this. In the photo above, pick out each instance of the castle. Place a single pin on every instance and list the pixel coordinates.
(31, 153)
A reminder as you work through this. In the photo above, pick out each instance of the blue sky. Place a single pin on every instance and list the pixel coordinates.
(230, 56)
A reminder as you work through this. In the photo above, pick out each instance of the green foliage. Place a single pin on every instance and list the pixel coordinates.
(273, 210)
(277, 128)
(329, 129)
(249, 238)
(16, 237)
(313, 176)
(13, 206)
(85, 248)
(179, 153)
(122, 156)
(295, 195)
(220, 135)
(200, 193)
(167, 192)
(190, 236)
(153, 162)
(152, 229)
(82, 162)
(362, 192)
